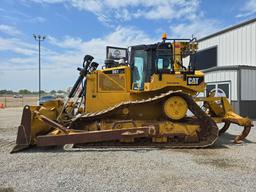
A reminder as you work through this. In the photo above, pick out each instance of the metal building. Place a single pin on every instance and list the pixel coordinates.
(228, 59)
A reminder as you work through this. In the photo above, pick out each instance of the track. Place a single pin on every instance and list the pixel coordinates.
(208, 129)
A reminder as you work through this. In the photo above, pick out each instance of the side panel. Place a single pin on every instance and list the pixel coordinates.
(193, 83)
(107, 87)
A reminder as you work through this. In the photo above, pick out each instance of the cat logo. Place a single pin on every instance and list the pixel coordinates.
(194, 80)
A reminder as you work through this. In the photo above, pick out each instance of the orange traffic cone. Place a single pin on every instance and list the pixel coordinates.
(1, 106)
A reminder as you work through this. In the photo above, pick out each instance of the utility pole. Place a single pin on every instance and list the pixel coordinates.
(39, 38)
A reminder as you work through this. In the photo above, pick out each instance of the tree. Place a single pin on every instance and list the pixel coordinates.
(4, 91)
(61, 91)
(53, 92)
(43, 92)
(24, 92)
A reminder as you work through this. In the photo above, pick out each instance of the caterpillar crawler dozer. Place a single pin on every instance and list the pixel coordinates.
(143, 95)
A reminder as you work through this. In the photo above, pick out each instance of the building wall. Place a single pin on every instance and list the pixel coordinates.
(248, 93)
(235, 47)
(248, 85)
(220, 76)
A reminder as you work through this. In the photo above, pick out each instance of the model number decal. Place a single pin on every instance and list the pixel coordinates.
(114, 71)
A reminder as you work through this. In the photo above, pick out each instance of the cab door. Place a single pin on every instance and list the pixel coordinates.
(138, 67)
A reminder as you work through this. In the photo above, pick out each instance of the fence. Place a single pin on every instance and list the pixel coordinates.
(10, 101)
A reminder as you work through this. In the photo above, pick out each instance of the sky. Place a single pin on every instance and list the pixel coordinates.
(74, 28)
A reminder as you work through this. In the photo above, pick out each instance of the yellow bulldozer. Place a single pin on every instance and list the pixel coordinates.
(143, 95)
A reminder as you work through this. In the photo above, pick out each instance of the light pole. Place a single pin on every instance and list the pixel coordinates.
(39, 38)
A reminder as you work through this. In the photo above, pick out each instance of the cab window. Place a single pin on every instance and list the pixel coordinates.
(163, 63)
(138, 76)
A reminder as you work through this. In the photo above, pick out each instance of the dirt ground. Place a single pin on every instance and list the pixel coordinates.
(222, 167)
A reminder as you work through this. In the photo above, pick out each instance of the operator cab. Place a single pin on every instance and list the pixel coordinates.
(146, 60)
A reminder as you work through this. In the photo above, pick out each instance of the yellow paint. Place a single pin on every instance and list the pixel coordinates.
(174, 82)
(222, 111)
(175, 108)
(169, 127)
(49, 109)
(164, 36)
(105, 90)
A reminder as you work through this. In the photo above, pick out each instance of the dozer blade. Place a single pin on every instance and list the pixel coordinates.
(24, 131)
(32, 125)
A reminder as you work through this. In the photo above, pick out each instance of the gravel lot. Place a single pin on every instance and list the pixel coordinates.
(223, 167)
